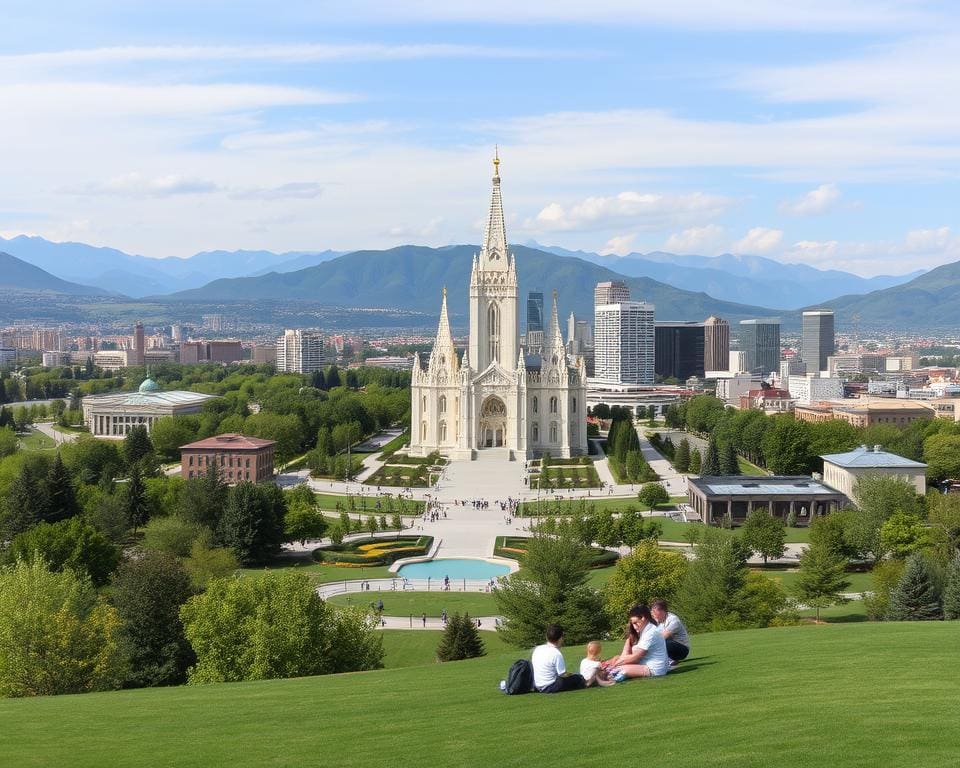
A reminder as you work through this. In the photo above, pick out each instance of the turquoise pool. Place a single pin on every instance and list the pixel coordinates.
(454, 568)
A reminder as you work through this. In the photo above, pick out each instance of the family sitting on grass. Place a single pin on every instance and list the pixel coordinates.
(655, 641)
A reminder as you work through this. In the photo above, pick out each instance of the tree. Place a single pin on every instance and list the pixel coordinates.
(207, 562)
(902, 534)
(879, 497)
(135, 499)
(942, 454)
(710, 466)
(203, 499)
(170, 432)
(26, 501)
(303, 520)
(648, 574)
(550, 588)
(695, 461)
(708, 596)
(915, 598)
(461, 640)
(728, 460)
(821, 578)
(274, 627)
(286, 430)
(137, 445)
(886, 574)
(681, 459)
(172, 534)
(70, 544)
(61, 498)
(635, 528)
(943, 516)
(633, 466)
(252, 523)
(8, 440)
(764, 534)
(951, 591)
(786, 446)
(56, 635)
(332, 377)
(147, 593)
(652, 494)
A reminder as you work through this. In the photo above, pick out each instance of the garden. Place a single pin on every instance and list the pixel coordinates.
(363, 553)
(515, 547)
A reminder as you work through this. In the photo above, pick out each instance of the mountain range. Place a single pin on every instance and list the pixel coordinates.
(412, 277)
(18, 275)
(139, 276)
(745, 279)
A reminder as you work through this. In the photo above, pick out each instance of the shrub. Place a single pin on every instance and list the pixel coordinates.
(461, 640)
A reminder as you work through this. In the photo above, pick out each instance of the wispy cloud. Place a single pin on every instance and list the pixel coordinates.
(137, 185)
(815, 202)
(642, 210)
(706, 240)
(759, 241)
(298, 190)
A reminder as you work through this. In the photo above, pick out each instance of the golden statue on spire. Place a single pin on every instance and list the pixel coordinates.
(496, 159)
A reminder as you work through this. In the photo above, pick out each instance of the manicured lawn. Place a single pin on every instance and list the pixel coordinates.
(416, 648)
(328, 503)
(854, 611)
(415, 603)
(319, 572)
(749, 468)
(830, 695)
(859, 582)
(36, 441)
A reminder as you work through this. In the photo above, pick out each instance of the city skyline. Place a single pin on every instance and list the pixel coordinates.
(670, 130)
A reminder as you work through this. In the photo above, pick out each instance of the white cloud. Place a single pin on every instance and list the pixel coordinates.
(759, 240)
(645, 210)
(301, 190)
(926, 241)
(619, 245)
(815, 202)
(704, 240)
(137, 185)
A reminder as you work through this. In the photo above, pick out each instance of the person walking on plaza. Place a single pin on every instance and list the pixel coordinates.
(549, 670)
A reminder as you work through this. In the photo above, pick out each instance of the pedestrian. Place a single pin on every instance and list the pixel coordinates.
(443, 616)
(380, 605)
(423, 618)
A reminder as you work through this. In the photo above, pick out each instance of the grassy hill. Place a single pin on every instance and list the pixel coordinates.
(835, 695)
(411, 277)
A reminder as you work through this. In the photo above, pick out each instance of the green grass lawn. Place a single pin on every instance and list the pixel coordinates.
(432, 603)
(859, 582)
(829, 695)
(328, 503)
(36, 441)
(321, 573)
(416, 648)
(749, 468)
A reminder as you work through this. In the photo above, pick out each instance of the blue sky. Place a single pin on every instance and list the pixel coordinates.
(825, 133)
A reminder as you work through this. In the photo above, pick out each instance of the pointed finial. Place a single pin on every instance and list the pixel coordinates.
(496, 159)
(554, 294)
(444, 291)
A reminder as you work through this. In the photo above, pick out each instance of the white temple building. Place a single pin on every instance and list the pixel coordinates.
(498, 396)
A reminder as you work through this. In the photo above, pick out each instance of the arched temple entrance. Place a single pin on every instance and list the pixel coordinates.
(493, 423)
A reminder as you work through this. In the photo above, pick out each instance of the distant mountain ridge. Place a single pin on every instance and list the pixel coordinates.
(139, 276)
(17, 274)
(746, 279)
(412, 277)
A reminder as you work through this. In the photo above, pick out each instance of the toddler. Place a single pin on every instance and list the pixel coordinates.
(591, 668)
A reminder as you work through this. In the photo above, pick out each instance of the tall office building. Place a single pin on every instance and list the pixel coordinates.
(716, 344)
(818, 342)
(678, 349)
(139, 345)
(300, 351)
(623, 337)
(535, 311)
(760, 339)
(610, 292)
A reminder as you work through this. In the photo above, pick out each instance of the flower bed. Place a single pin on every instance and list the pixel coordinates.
(364, 552)
(514, 548)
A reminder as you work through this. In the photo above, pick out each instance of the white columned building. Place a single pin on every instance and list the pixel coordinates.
(498, 396)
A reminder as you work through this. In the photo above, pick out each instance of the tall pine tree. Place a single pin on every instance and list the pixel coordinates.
(710, 466)
(61, 498)
(915, 597)
(681, 459)
(951, 592)
(461, 640)
(821, 578)
(728, 460)
(135, 499)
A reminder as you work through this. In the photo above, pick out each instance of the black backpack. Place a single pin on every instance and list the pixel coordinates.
(519, 678)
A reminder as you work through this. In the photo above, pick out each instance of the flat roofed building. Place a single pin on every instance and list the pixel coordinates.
(624, 342)
(716, 344)
(760, 339)
(114, 415)
(883, 411)
(715, 497)
(239, 458)
(610, 292)
(679, 349)
(818, 340)
(842, 470)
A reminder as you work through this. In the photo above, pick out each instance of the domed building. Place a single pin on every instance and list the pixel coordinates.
(113, 415)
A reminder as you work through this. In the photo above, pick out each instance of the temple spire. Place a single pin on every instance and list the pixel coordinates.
(444, 352)
(493, 253)
(555, 339)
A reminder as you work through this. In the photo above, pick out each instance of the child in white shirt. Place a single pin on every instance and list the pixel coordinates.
(591, 668)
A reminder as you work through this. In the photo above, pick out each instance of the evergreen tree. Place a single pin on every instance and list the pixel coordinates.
(710, 466)
(252, 523)
(137, 445)
(461, 640)
(681, 459)
(135, 499)
(317, 381)
(202, 499)
(951, 592)
(61, 498)
(915, 597)
(633, 466)
(695, 461)
(728, 460)
(821, 578)
(332, 377)
(27, 499)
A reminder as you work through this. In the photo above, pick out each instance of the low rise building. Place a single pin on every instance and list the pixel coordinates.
(811, 388)
(768, 400)
(842, 470)
(715, 497)
(238, 458)
(897, 413)
(113, 415)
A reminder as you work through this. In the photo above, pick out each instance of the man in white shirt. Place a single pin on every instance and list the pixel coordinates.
(549, 670)
(673, 631)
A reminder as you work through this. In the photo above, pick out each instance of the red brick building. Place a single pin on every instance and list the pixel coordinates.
(240, 458)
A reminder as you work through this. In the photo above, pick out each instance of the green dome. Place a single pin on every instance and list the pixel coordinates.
(149, 385)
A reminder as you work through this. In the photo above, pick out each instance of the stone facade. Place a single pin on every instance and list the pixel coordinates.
(498, 395)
